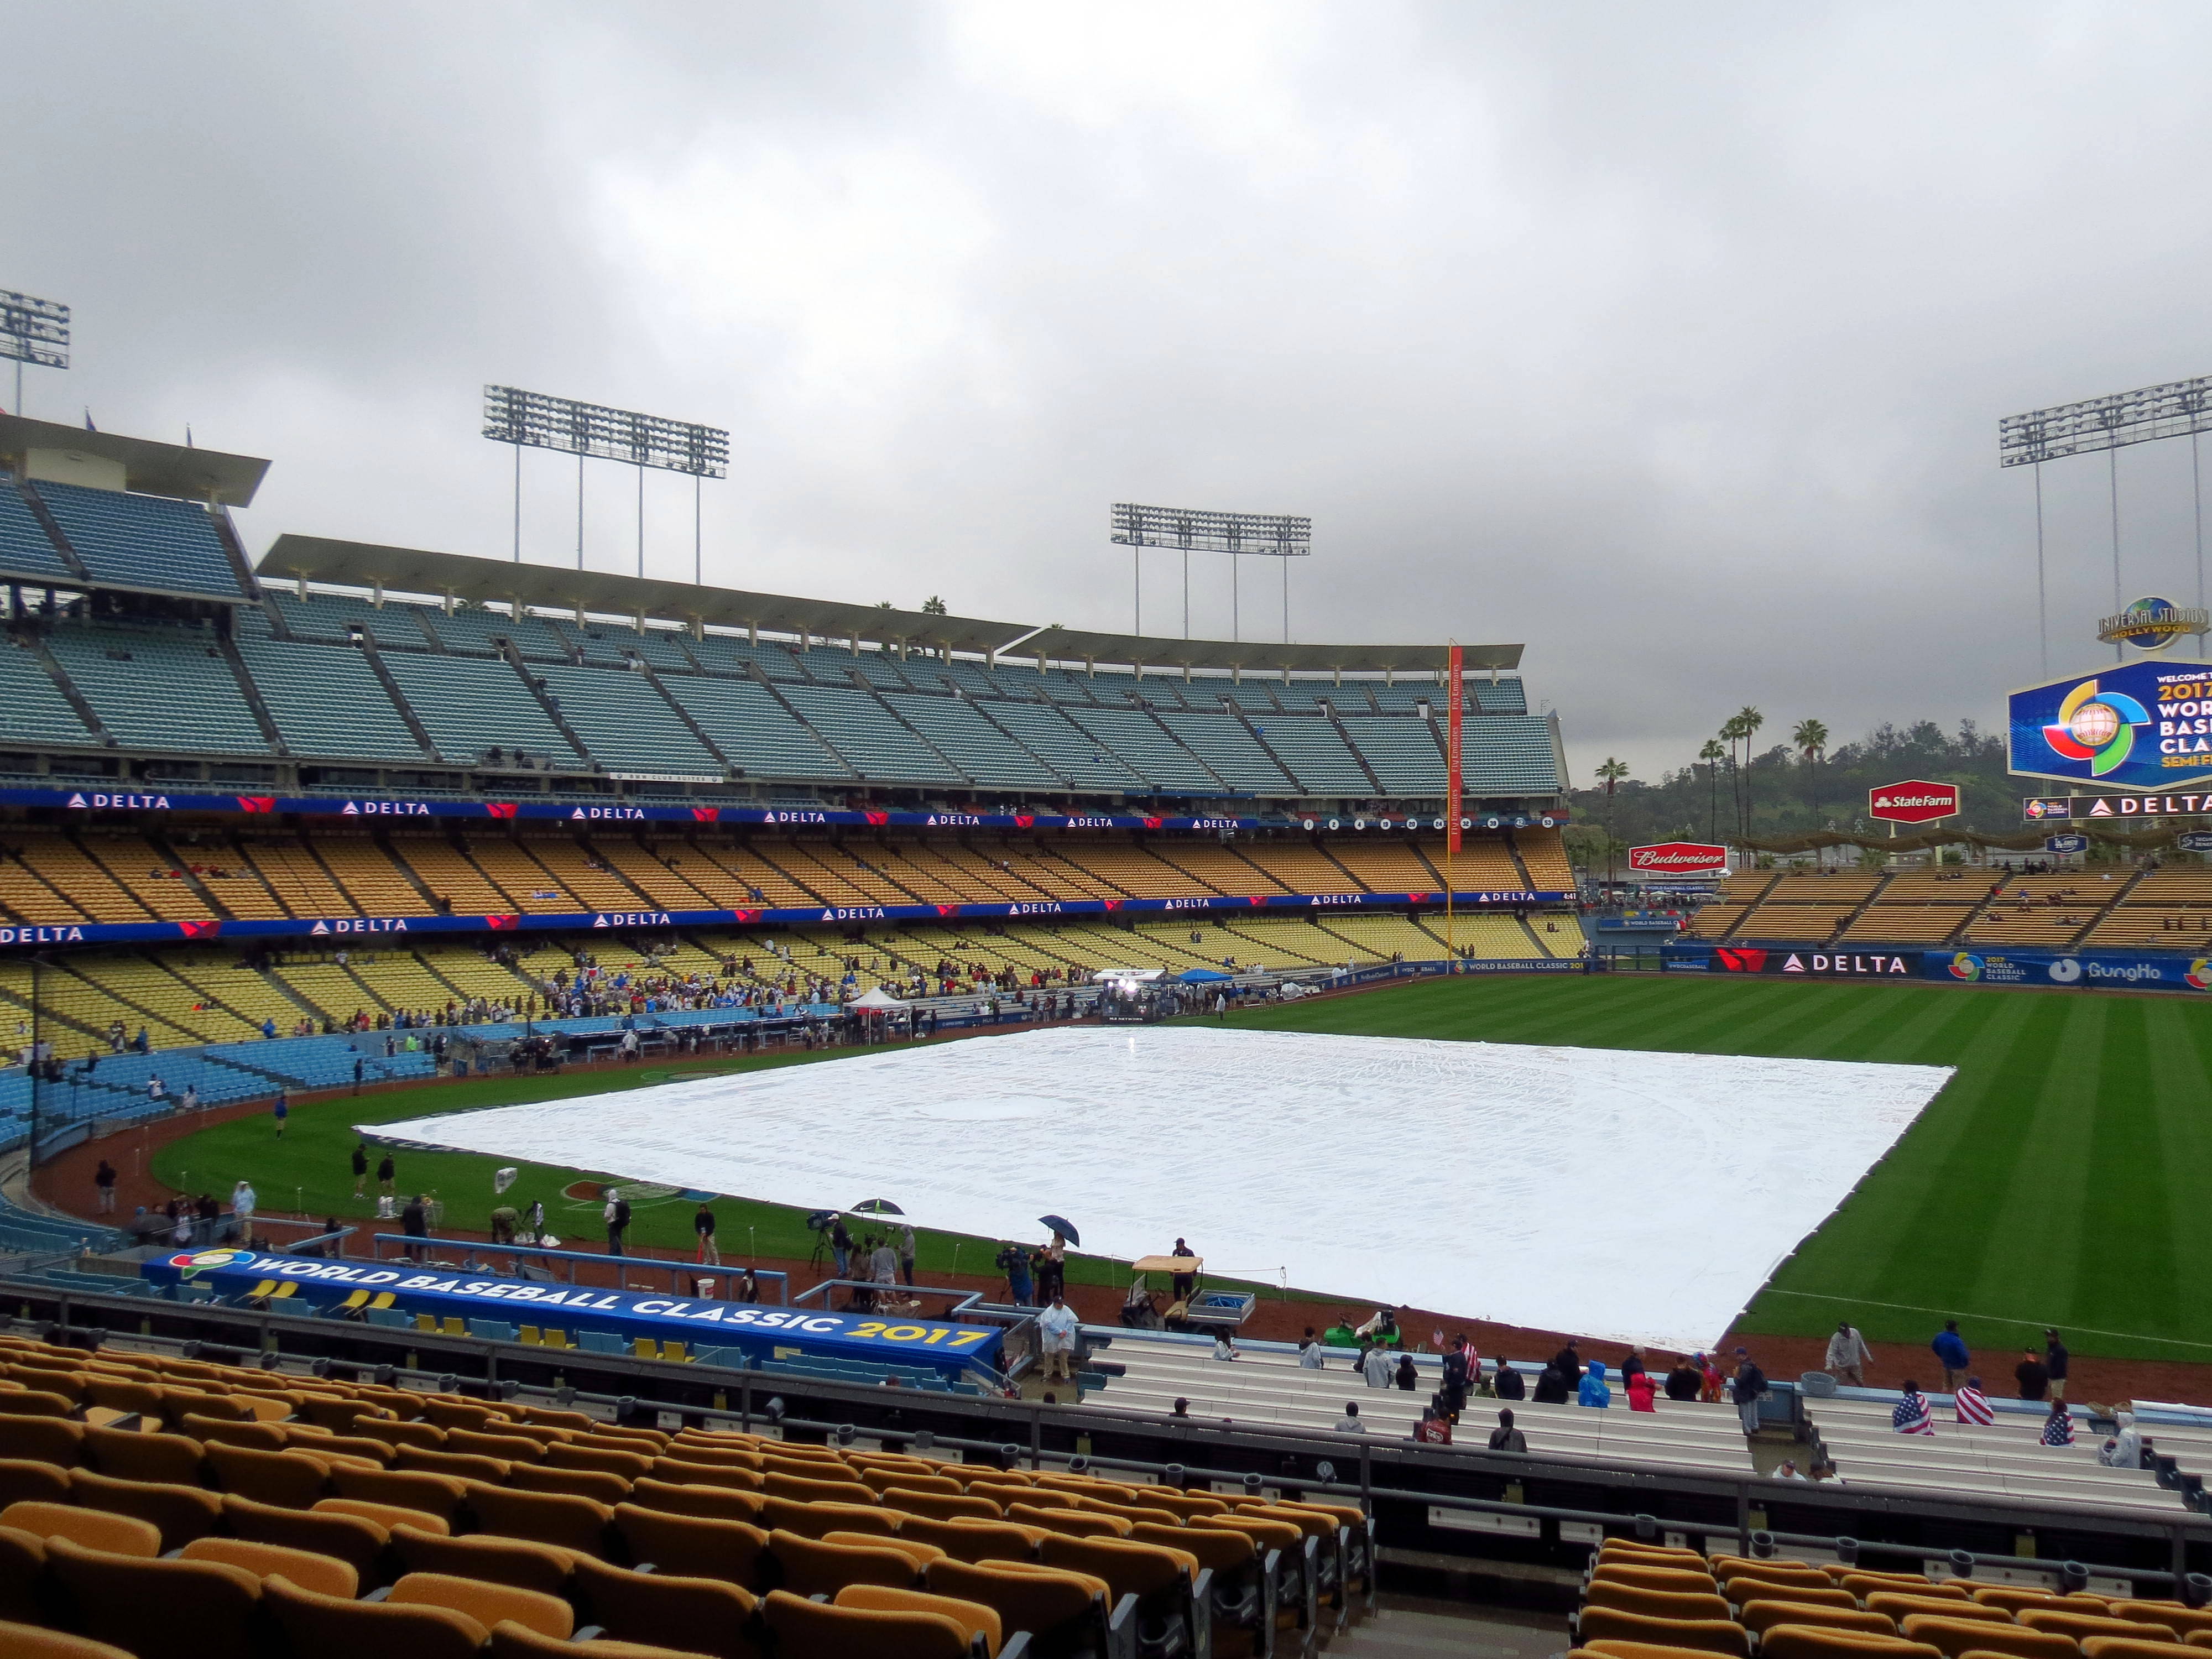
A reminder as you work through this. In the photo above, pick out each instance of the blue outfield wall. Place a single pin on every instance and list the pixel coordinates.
(2099, 970)
(144, 933)
(761, 1332)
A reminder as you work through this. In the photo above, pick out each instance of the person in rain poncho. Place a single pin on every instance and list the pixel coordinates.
(1592, 1391)
(2123, 1450)
(1377, 1367)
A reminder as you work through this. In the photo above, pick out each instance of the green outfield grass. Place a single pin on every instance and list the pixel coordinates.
(2056, 1181)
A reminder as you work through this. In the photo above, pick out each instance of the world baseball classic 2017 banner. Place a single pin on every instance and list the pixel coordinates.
(814, 915)
(2094, 971)
(765, 1332)
(2131, 725)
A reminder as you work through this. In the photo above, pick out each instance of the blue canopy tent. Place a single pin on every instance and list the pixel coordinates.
(1202, 976)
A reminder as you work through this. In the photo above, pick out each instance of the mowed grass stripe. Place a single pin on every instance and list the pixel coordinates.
(2179, 1063)
(2054, 1181)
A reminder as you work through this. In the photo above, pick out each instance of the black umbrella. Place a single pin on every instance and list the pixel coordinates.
(875, 1208)
(1063, 1226)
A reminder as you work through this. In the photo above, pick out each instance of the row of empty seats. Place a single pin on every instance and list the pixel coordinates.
(1986, 909)
(330, 618)
(475, 688)
(1272, 1386)
(55, 532)
(331, 1517)
(49, 876)
(1642, 1600)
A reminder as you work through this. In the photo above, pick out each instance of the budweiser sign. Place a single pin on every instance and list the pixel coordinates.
(1678, 858)
(1913, 801)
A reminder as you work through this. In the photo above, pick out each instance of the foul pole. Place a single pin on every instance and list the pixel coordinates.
(1456, 709)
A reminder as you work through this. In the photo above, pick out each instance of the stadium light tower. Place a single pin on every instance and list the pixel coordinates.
(531, 420)
(33, 332)
(1234, 533)
(2179, 408)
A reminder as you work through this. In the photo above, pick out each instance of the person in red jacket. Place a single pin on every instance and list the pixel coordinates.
(1642, 1390)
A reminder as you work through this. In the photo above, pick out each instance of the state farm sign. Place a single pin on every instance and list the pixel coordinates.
(1914, 801)
(1678, 858)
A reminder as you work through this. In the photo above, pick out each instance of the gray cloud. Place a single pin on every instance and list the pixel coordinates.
(1672, 343)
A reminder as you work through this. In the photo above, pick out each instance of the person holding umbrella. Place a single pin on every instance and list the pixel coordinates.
(1052, 1265)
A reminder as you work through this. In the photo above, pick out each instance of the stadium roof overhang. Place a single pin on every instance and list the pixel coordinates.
(1260, 657)
(549, 588)
(149, 468)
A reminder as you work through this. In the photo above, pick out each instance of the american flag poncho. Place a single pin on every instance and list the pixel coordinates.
(2058, 1429)
(1974, 1407)
(1911, 1415)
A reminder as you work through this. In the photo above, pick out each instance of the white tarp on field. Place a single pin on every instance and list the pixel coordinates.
(1609, 1192)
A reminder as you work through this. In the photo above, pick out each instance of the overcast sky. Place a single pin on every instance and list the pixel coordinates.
(1670, 341)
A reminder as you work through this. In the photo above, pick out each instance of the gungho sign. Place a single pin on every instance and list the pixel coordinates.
(1678, 858)
(1913, 801)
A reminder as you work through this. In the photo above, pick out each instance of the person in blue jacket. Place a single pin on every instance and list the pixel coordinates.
(1950, 1350)
(1592, 1391)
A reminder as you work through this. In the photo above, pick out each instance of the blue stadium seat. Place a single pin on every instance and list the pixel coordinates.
(471, 707)
(970, 741)
(869, 736)
(326, 700)
(332, 617)
(1223, 743)
(1314, 751)
(32, 707)
(159, 687)
(1065, 747)
(625, 724)
(1141, 742)
(25, 550)
(142, 541)
(749, 725)
(1403, 749)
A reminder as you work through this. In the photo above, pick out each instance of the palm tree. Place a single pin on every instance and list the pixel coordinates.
(1610, 772)
(1750, 719)
(1732, 734)
(1811, 738)
(1712, 754)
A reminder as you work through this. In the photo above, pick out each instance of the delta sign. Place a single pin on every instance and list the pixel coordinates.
(1914, 801)
(1678, 858)
(2131, 725)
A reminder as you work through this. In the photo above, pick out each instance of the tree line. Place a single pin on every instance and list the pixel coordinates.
(1733, 789)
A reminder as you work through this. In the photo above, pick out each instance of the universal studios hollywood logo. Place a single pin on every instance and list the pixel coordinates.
(2152, 624)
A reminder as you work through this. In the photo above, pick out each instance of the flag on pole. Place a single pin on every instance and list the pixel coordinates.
(1455, 706)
